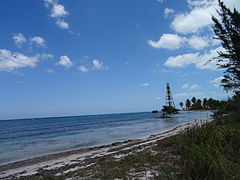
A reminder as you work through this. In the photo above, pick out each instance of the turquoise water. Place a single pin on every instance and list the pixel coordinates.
(26, 138)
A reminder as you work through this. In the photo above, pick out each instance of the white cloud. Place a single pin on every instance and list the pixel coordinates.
(185, 86)
(182, 60)
(145, 84)
(58, 11)
(50, 2)
(200, 60)
(196, 19)
(200, 15)
(189, 86)
(188, 94)
(204, 58)
(98, 65)
(168, 11)
(83, 68)
(19, 39)
(50, 71)
(10, 61)
(38, 40)
(216, 82)
(194, 86)
(168, 41)
(197, 42)
(62, 24)
(45, 56)
(158, 98)
(65, 61)
(197, 3)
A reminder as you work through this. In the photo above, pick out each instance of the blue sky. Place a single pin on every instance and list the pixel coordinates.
(66, 57)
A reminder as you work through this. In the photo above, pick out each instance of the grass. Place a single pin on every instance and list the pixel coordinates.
(210, 151)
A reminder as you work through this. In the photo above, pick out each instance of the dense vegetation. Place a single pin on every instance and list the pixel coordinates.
(169, 110)
(205, 104)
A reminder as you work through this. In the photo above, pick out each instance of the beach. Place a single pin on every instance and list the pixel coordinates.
(70, 161)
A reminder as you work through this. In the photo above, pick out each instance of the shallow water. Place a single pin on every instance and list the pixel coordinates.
(27, 138)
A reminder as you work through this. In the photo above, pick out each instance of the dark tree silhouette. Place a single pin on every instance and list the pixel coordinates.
(227, 30)
(181, 104)
(204, 104)
(188, 104)
(194, 100)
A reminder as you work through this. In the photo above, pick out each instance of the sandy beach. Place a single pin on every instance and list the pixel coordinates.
(62, 163)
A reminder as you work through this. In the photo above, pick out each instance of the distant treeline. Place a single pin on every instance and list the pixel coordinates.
(205, 104)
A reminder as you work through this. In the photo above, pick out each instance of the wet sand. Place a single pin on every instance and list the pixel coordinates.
(62, 163)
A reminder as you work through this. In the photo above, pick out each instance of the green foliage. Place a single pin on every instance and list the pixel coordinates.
(193, 100)
(188, 104)
(205, 104)
(208, 152)
(233, 104)
(169, 110)
(227, 30)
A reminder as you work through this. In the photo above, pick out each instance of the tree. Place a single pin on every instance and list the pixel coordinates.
(169, 110)
(194, 100)
(188, 104)
(199, 101)
(181, 104)
(199, 104)
(227, 30)
(204, 103)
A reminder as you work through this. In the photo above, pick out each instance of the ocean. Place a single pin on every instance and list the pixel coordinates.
(27, 138)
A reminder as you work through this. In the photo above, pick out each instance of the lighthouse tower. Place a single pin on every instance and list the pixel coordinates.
(169, 98)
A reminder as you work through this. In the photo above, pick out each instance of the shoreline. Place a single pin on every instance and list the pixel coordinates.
(64, 162)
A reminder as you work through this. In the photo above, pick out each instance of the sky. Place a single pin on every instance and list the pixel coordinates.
(67, 57)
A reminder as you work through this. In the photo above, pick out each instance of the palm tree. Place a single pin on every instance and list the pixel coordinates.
(181, 104)
(194, 100)
(188, 104)
(205, 101)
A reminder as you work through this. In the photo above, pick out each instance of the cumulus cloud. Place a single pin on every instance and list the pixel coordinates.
(83, 68)
(93, 66)
(145, 84)
(216, 82)
(98, 65)
(197, 42)
(168, 11)
(168, 41)
(199, 16)
(19, 39)
(65, 61)
(38, 40)
(174, 41)
(10, 61)
(199, 60)
(182, 60)
(58, 12)
(195, 20)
